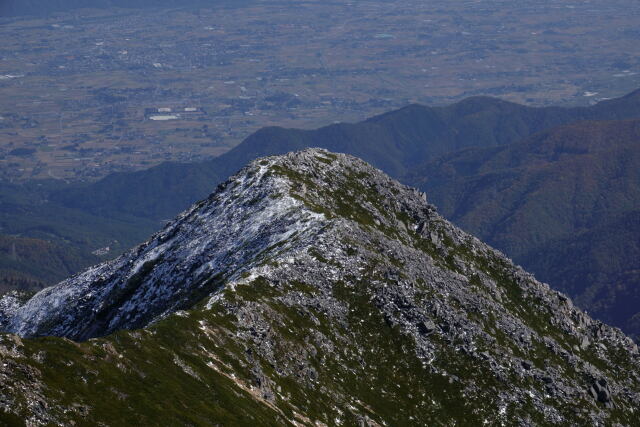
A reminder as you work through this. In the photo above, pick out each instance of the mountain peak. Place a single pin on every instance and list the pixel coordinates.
(190, 258)
(250, 215)
(319, 279)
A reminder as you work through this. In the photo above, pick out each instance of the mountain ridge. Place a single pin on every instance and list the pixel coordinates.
(364, 306)
(122, 294)
(157, 194)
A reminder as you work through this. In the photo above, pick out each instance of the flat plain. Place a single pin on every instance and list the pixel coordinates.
(91, 92)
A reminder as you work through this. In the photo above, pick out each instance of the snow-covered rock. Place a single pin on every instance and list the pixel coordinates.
(246, 218)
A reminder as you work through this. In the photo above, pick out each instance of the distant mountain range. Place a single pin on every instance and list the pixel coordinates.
(395, 142)
(537, 183)
(311, 289)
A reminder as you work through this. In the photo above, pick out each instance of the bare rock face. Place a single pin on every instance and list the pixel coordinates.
(319, 290)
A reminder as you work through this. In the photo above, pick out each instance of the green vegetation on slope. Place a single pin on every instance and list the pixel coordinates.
(43, 242)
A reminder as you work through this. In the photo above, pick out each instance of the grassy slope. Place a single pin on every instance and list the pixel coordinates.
(196, 368)
(270, 351)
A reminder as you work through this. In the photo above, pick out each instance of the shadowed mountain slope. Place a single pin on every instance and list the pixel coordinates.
(395, 142)
(563, 204)
(32, 263)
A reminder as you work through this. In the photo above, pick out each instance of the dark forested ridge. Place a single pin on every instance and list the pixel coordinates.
(44, 7)
(563, 203)
(42, 242)
(394, 142)
(30, 264)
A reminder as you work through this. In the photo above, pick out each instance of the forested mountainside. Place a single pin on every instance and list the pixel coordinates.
(29, 264)
(395, 142)
(53, 241)
(563, 203)
(311, 288)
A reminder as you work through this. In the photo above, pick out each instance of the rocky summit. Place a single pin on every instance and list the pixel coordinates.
(311, 289)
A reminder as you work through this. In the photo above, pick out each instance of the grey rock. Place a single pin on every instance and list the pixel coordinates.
(584, 343)
(322, 231)
(426, 327)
